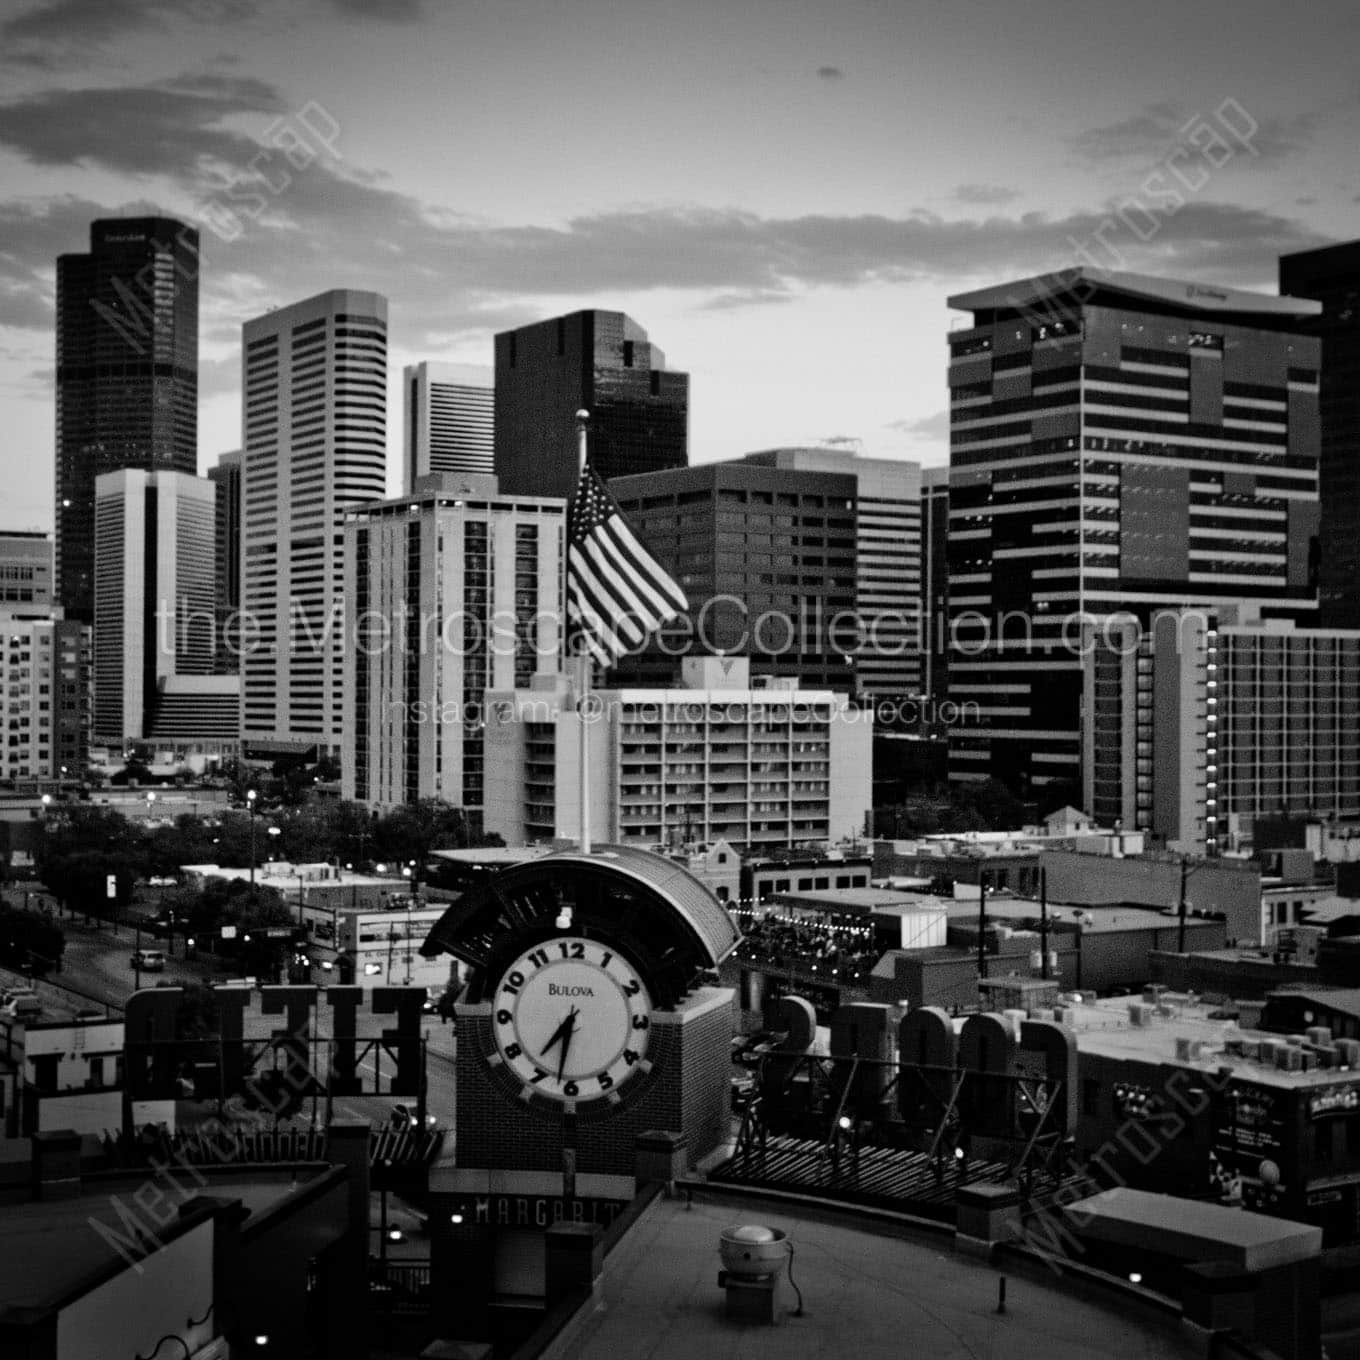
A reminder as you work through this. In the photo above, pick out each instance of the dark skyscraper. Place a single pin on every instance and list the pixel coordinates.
(767, 558)
(127, 375)
(1331, 276)
(598, 361)
(1120, 445)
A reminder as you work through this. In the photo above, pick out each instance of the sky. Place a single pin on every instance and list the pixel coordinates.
(784, 193)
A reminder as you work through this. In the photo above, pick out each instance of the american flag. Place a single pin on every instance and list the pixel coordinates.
(617, 594)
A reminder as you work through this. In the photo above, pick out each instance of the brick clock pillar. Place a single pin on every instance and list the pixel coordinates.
(583, 1026)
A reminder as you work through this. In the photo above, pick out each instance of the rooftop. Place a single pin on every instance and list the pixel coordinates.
(1088, 283)
(869, 1290)
(52, 1247)
(861, 901)
(1108, 1029)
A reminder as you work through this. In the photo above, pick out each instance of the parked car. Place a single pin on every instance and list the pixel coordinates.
(148, 960)
(23, 1006)
(86, 1014)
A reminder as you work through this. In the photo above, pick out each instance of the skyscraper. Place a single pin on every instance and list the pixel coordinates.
(935, 579)
(314, 426)
(1120, 445)
(767, 559)
(450, 420)
(127, 375)
(155, 607)
(453, 592)
(887, 561)
(226, 477)
(601, 362)
(1332, 277)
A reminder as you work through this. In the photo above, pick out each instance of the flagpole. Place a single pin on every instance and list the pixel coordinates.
(583, 690)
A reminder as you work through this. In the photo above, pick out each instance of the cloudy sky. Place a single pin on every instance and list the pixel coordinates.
(783, 192)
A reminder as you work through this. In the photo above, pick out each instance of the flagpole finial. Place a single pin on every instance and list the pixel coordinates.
(582, 416)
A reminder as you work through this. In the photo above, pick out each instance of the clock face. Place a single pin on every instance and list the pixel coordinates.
(572, 1019)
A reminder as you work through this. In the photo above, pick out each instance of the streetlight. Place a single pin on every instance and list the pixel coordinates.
(251, 796)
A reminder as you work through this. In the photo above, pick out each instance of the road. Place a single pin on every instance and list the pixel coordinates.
(96, 970)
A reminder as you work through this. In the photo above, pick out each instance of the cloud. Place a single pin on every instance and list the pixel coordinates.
(389, 11)
(1157, 129)
(52, 33)
(282, 231)
(48, 33)
(830, 73)
(985, 194)
(932, 427)
(173, 127)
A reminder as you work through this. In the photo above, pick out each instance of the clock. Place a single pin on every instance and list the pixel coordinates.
(571, 1020)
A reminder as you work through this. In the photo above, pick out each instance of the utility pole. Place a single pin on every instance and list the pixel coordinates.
(982, 924)
(1043, 922)
(1185, 873)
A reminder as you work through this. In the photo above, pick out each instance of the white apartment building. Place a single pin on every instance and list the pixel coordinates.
(760, 768)
(453, 592)
(450, 420)
(314, 425)
(44, 670)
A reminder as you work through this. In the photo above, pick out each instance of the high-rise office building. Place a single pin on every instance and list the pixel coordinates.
(315, 446)
(1120, 445)
(226, 477)
(887, 561)
(1331, 276)
(127, 375)
(767, 559)
(155, 616)
(455, 590)
(601, 362)
(450, 413)
(935, 579)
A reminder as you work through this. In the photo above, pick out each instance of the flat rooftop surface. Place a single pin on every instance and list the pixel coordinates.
(867, 1293)
(49, 1247)
(1195, 1231)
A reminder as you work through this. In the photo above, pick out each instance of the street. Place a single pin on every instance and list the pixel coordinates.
(96, 972)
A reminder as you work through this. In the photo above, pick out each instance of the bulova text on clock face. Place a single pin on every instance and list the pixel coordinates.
(571, 1018)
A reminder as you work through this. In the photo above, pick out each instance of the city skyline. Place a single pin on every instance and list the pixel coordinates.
(799, 204)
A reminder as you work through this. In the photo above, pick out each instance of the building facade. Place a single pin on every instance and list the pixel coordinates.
(888, 562)
(127, 375)
(1205, 724)
(450, 420)
(720, 758)
(45, 684)
(454, 593)
(226, 477)
(1331, 276)
(315, 436)
(154, 647)
(767, 558)
(601, 362)
(26, 571)
(935, 579)
(1120, 445)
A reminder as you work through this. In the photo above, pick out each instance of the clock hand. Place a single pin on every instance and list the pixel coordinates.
(562, 1034)
(570, 1023)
